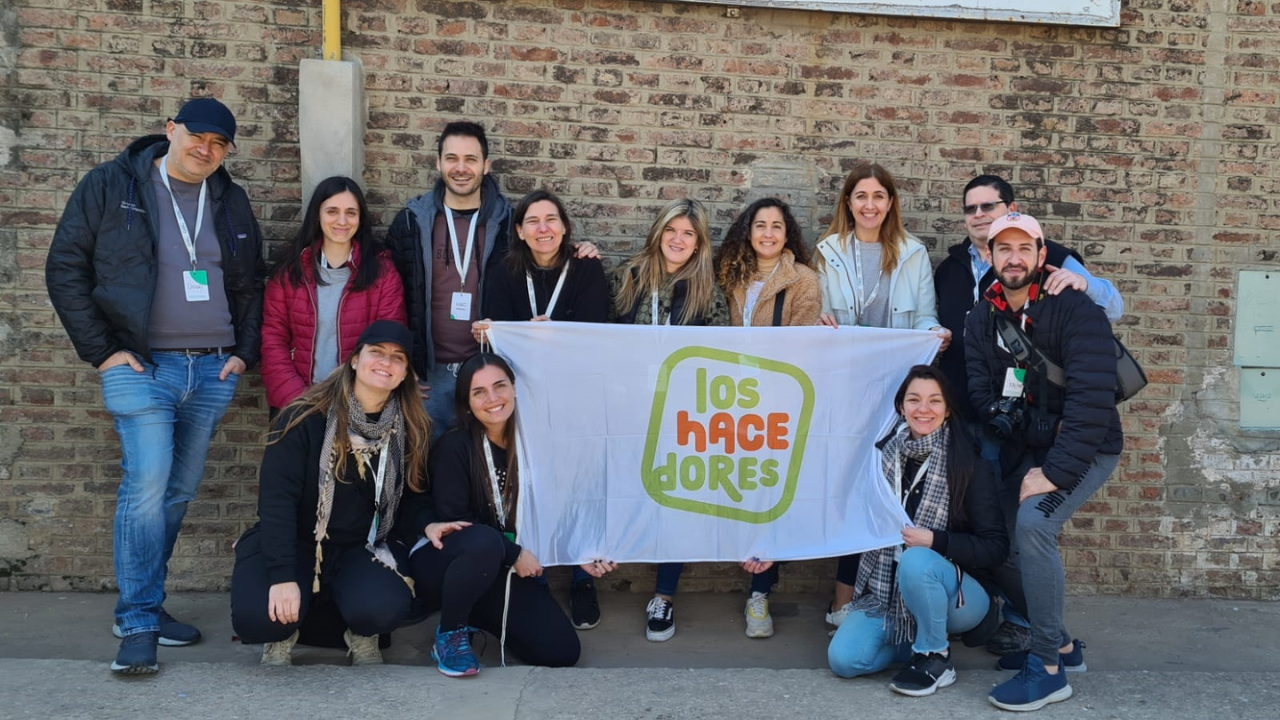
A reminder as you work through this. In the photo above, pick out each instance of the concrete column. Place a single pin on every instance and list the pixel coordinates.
(331, 117)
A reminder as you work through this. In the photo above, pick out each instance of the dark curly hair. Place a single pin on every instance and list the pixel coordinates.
(736, 259)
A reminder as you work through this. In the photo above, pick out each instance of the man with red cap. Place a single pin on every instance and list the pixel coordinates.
(156, 273)
(1061, 442)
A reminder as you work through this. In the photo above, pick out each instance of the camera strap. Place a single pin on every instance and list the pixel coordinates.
(1025, 351)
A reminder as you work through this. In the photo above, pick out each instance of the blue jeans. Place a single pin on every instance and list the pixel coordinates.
(439, 403)
(1035, 542)
(930, 590)
(165, 417)
(668, 579)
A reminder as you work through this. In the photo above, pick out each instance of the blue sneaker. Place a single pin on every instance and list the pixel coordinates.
(453, 655)
(1071, 662)
(173, 632)
(1032, 688)
(137, 655)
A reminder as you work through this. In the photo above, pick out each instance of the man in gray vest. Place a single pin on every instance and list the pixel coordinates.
(156, 272)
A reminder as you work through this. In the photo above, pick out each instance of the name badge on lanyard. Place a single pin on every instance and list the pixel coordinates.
(902, 498)
(555, 294)
(195, 283)
(460, 302)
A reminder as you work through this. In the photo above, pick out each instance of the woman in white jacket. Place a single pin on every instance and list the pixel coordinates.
(872, 273)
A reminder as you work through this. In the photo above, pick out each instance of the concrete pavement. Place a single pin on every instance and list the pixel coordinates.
(1166, 659)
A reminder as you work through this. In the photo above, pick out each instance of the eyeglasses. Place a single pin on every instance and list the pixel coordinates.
(986, 208)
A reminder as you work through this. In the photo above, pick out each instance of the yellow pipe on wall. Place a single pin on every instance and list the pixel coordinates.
(332, 18)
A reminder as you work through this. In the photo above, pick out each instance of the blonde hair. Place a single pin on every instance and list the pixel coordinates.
(646, 271)
(893, 235)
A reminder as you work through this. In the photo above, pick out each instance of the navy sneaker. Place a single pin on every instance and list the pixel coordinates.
(1032, 688)
(137, 655)
(584, 606)
(453, 654)
(173, 632)
(1071, 662)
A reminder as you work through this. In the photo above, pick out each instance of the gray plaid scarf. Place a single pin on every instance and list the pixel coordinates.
(876, 589)
(366, 439)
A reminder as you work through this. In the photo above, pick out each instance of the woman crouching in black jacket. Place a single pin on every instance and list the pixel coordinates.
(909, 597)
(336, 464)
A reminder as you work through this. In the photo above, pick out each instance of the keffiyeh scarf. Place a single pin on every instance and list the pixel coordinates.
(876, 589)
(367, 440)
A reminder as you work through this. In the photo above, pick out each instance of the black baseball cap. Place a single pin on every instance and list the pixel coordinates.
(203, 115)
(387, 331)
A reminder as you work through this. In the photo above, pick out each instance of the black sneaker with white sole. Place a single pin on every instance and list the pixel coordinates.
(137, 655)
(924, 675)
(584, 606)
(662, 622)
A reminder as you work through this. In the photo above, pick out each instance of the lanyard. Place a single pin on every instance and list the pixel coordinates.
(471, 246)
(498, 504)
(897, 479)
(653, 304)
(555, 294)
(746, 319)
(377, 488)
(177, 211)
(859, 302)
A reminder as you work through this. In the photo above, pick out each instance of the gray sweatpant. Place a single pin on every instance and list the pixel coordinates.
(1040, 520)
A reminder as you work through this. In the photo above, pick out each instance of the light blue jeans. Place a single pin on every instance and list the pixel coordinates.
(165, 417)
(930, 590)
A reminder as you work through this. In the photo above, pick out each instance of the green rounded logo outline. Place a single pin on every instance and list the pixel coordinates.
(647, 474)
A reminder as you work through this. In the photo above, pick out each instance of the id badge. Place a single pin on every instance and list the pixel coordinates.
(1013, 379)
(460, 306)
(196, 285)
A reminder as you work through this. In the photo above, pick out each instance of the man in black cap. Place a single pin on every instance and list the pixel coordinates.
(156, 272)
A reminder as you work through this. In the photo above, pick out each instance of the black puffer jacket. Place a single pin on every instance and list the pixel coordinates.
(102, 266)
(1074, 333)
(953, 283)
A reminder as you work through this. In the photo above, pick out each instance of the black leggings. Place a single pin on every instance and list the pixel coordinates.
(466, 581)
(370, 597)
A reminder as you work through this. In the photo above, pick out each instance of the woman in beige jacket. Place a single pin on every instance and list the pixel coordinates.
(762, 265)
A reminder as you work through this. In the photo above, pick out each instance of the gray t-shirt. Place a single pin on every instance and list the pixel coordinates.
(873, 296)
(177, 323)
(328, 296)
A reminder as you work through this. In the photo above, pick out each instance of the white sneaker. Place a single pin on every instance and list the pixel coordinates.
(836, 617)
(279, 653)
(759, 622)
(363, 649)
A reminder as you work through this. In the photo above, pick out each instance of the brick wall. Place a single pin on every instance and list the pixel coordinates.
(1151, 148)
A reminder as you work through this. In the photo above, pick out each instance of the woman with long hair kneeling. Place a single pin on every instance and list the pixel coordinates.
(336, 464)
(468, 518)
(908, 597)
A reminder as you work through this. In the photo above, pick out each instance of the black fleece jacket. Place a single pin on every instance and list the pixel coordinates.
(102, 265)
(1074, 333)
(583, 298)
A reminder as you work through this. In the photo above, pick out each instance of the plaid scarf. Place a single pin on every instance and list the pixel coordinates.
(366, 439)
(995, 295)
(876, 588)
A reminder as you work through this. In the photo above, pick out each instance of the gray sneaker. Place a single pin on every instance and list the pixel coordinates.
(279, 654)
(363, 649)
(1010, 639)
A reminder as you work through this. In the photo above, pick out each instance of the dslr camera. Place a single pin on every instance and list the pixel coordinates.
(1008, 416)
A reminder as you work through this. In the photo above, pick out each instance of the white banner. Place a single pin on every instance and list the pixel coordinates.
(656, 444)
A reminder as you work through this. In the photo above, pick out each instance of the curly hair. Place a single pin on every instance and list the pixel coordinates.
(735, 258)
